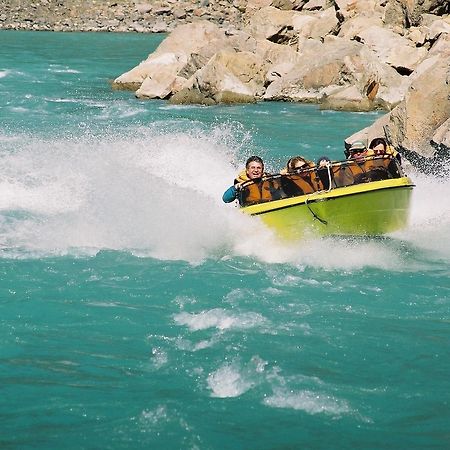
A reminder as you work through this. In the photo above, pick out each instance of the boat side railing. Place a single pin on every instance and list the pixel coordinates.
(316, 179)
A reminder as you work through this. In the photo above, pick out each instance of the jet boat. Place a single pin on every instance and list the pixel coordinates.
(366, 196)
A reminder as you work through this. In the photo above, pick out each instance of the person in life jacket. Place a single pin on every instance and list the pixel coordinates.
(260, 190)
(299, 180)
(358, 151)
(254, 170)
(380, 147)
(297, 163)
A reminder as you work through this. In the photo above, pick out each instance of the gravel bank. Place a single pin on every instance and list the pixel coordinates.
(116, 16)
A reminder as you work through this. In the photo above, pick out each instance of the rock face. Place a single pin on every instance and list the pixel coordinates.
(355, 55)
(420, 124)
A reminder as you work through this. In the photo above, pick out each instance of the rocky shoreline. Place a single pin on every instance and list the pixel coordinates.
(116, 16)
(354, 55)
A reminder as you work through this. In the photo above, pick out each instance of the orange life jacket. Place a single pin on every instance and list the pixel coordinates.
(258, 191)
(302, 183)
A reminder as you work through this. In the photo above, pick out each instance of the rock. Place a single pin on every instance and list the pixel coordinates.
(345, 67)
(179, 13)
(143, 8)
(357, 24)
(286, 5)
(392, 49)
(272, 24)
(170, 58)
(425, 108)
(158, 85)
(231, 77)
(350, 8)
(314, 5)
(314, 25)
(441, 46)
(419, 125)
(441, 138)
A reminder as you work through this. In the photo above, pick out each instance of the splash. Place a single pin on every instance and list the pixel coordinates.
(157, 193)
(429, 226)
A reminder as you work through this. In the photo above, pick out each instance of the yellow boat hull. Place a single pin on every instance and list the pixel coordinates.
(373, 208)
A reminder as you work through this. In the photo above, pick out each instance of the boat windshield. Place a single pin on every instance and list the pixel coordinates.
(306, 181)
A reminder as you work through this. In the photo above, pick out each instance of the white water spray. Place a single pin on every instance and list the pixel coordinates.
(158, 193)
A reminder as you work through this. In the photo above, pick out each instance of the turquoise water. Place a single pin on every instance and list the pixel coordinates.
(139, 311)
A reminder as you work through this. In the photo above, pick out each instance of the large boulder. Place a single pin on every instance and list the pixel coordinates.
(229, 77)
(349, 8)
(153, 77)
(315, 25)
(273, 24)
(425, 108)
(397, 51)
(419, 125)
(357, 24)
(406, 13)
(348, 76)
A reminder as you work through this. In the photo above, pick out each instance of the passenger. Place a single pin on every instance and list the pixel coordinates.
(323, 161)
(324, 172)
(299, 180)
(358, 151)
(296, 163)
(254, 171)
(380, 147)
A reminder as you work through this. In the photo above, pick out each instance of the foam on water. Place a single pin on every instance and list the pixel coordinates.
(310, 402)
(220, 319)
(157, 193)
(235, 378)
(227, 382)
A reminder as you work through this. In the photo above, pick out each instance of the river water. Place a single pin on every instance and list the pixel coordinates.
(138, 311)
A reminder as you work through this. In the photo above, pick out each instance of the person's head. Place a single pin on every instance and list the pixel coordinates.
(254, 167)
(378, 145)
(357, 149)
(296, 163)
(323, 161)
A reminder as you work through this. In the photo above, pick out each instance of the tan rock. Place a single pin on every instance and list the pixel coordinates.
(417, 35)
(357, 24)
(420, 123)
(170, 58)
(314, 5)
(231, 77)
(441, 46)
(425, 108)
(157, 85)
(437, 28)
(315, 24)
(350, 8)
(391, 48)
(271, 23)
(270, 53)
(346, 72)
(286, 5)
(441, 137)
